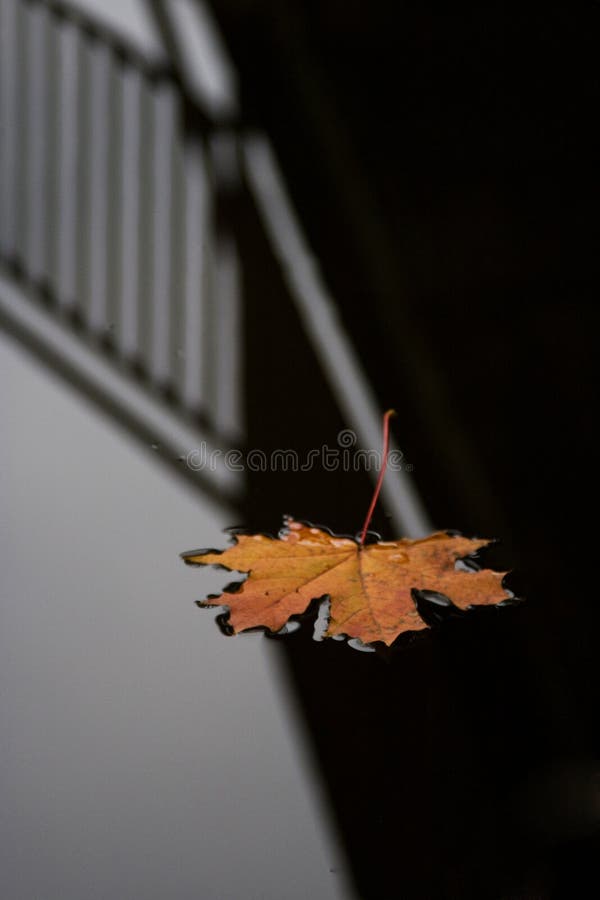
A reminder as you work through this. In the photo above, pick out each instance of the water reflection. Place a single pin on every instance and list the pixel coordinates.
(143, 756)
(153, 255)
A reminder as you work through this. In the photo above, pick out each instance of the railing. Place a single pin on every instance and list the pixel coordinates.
(108, 214)
(116, 219)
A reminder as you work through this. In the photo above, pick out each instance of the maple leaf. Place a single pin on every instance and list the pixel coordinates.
(371, 586)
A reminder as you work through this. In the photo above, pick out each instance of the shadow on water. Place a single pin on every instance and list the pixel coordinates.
(429, 751)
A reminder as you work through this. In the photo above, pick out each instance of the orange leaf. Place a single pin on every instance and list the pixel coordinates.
(370, 587)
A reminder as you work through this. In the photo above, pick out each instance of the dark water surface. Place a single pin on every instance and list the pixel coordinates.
(443, 167)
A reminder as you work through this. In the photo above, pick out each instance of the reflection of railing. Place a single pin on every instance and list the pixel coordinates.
(108, 214)
(116, 185)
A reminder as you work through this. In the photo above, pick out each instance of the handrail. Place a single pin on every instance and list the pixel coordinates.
(102, 32)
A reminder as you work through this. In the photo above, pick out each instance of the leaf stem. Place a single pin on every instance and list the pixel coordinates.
(386, 440)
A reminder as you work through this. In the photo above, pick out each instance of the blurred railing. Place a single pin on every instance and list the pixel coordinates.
(107, 214)
(120, 188)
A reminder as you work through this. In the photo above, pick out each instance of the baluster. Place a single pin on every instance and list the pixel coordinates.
(9, 148)
(197, 218)
(114, 221)
(67, 190)
(36, 112)
(227, 341)
(98, 186)
(178, 262)
(51, 230)
(23, 138)
(145, 174)
(163, 132)
(83, 181)
(129, 193)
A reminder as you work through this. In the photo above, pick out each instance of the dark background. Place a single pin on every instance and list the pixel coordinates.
(444, 167)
